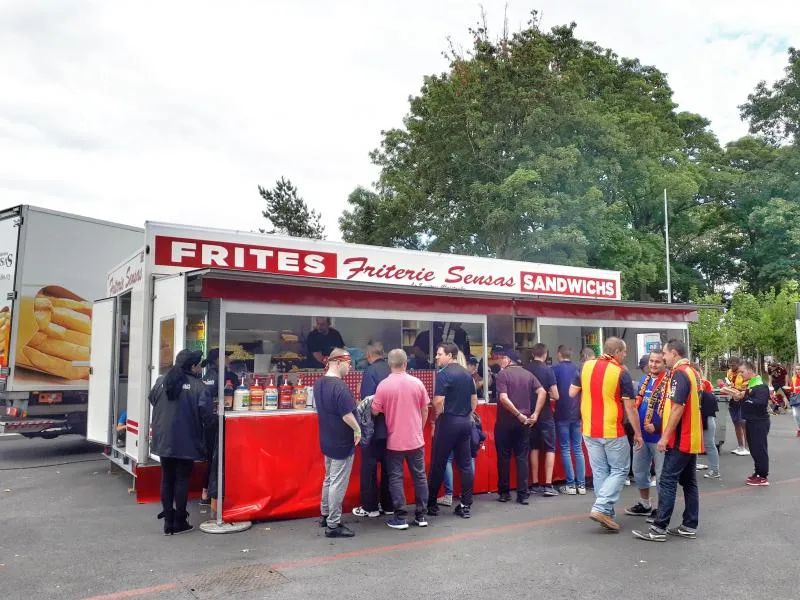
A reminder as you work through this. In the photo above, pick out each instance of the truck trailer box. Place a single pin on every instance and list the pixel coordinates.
(52, 266)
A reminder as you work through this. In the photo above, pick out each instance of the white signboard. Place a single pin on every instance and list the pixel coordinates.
(186, 248)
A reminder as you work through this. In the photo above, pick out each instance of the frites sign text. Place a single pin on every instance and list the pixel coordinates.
(303, 258)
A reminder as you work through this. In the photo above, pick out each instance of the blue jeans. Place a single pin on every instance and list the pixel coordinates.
(571, 442)
(448, 475)
(710, 442)
(610, 459)
(642, 459)
(679, 467)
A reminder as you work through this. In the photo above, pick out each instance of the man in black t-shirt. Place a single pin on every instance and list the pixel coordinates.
(454, 402)
(755, 403)
(320, 342)
(543, 434)
(339, 434)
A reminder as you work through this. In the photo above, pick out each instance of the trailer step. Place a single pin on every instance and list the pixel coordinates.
(31, 425)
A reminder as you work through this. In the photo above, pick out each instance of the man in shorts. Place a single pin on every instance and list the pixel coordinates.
(543, 433)
(730, 387)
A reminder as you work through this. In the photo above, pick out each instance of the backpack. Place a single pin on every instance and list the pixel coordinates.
(365, 420)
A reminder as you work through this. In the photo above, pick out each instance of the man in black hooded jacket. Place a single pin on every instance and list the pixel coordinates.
(181, 411)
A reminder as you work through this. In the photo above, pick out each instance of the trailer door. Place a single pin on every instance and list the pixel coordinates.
(169, 322)
(102, 358)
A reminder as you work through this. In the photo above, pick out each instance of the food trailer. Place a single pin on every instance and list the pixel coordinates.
(262, 297)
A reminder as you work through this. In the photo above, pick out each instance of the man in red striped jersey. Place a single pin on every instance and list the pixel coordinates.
(681, 440)
(606, 390)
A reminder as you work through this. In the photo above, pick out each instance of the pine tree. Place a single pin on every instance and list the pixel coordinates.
(288, 212)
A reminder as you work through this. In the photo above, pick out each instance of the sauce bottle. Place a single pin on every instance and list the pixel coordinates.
(285, 395)
(299, 395)
(228, 395)
(256, 396)
(241, 398)
(271, 395)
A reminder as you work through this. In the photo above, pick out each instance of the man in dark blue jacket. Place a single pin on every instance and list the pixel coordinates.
(181, 412)
(375, 451)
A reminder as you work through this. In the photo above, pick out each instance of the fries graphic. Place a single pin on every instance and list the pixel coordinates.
(55, 329)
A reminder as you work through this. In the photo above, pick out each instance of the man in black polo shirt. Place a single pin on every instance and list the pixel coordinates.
(518, 391)
(321, 340)
(454, 401)
(543, 434)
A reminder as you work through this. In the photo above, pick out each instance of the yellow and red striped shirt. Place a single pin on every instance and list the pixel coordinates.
(688, 435)
(604, 383)
(794, 385)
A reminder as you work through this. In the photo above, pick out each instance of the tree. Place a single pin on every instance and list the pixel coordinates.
(774, 112)
(544, 147)
(376, 221)
(289, 214)
(709, 336)
(778, 322)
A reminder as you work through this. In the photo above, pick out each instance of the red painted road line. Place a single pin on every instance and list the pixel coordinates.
(319, 560)
(155, 589)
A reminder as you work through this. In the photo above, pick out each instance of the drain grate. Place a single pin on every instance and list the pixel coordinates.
(234, 580)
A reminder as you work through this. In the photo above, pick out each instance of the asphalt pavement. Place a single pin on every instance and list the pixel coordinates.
(70, 531)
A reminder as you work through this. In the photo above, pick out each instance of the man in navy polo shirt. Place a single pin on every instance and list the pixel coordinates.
(454, 402)
(543, 434)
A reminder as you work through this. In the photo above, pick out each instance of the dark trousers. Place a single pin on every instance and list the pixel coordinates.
(175, 473)
(211, 437)
(513, 438)
(415, 459)
(453, 434)
(757, 431)
(679, 467)
(371, 455)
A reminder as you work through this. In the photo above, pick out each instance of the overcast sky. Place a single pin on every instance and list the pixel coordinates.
(172, 111)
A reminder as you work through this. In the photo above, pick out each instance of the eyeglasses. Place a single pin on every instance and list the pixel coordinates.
(347, 359)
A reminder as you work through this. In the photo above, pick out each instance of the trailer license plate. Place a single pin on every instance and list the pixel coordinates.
(50, 398)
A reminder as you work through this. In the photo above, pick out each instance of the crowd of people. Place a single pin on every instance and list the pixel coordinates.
(656, 429)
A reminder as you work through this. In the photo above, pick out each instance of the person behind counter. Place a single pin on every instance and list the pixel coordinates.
(321, 340)
(339, 434)
(181, 412)
(375, 451)
(211, 435)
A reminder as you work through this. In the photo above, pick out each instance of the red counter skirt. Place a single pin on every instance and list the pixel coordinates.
(274, 468)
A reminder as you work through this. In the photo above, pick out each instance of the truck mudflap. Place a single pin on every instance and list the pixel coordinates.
(36, 427)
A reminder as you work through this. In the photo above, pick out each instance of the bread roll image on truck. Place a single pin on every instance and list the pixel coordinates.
(52, 266)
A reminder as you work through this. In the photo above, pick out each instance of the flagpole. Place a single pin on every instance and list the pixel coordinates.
(666, 237)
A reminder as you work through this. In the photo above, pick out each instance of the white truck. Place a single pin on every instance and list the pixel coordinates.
(52, 266)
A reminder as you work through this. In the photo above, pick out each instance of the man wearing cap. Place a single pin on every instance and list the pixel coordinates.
(211, 435)
(339, 434)
(518, 392)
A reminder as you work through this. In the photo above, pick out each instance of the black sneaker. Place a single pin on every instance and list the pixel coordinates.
(535, 488)
(420, 521)
(638, 510)
(504, 497)
(342, 531)
(433, 510)
(323, 521)
(463, 511)
(683, 532)
(179, 528)
(549, 491)
(523, 500)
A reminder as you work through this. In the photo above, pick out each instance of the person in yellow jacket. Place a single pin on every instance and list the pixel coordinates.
(730, 387)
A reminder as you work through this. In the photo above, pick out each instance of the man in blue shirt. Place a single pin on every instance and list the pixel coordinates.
(650, 402)
(568, 423)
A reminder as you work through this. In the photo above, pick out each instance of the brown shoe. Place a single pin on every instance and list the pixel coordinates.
(604, 520)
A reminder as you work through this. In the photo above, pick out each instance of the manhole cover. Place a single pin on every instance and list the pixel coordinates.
(235, 580)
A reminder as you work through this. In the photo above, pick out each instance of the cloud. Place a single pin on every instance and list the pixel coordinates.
(176, 111)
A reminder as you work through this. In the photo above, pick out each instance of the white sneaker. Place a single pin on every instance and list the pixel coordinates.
(627, 481)
(581, 490)
(445, 501)
(712, 475)
(745, 452)
(736, 450)
(700, 467)
(653, 482)
(360, 512)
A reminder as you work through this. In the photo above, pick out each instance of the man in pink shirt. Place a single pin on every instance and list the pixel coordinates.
(404, 401)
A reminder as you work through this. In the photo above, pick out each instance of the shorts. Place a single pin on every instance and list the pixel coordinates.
(543, 436)
(735, 410)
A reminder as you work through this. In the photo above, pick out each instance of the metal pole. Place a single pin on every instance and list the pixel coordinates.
(666, 237)
(221, 411)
